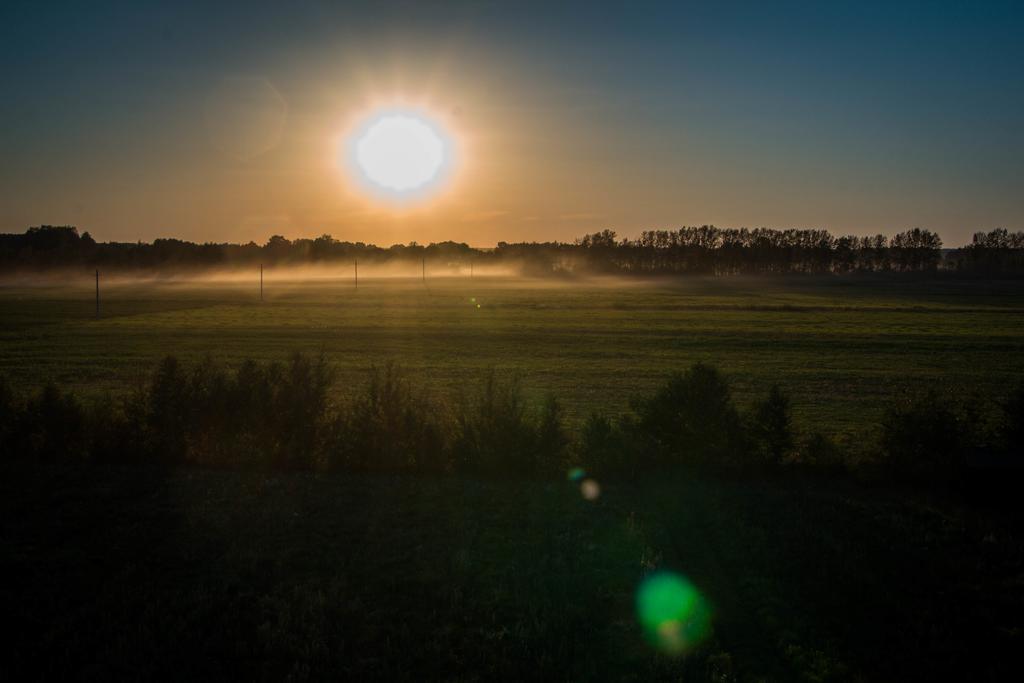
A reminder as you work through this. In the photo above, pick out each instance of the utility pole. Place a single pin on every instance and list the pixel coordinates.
(261, 283)
(470, 269)
(97, 292)
(357, 273)
(424, 270)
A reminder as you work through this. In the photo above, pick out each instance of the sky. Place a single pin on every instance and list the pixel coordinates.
(232, 123)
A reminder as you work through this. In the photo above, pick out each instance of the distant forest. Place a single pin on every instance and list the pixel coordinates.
(698, 250)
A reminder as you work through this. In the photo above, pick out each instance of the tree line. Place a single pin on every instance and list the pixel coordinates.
(283, 416)
(698, 250)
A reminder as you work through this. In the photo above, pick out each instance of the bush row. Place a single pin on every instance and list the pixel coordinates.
(281, 416)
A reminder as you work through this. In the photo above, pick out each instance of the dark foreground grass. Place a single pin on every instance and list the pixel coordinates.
(197, 574)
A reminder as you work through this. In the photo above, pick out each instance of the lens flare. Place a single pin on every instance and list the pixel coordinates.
(577, 474)
(674, 615)
(590, 489)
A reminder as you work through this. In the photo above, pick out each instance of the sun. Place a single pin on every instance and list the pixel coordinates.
(401, 154)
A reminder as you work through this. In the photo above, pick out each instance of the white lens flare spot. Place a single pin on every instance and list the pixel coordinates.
(400, 153)
(590, 489)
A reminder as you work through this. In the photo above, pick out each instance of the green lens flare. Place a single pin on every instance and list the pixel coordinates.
(576, 475)
(674, 615)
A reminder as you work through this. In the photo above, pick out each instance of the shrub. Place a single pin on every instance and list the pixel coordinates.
(167, 412)
(551, 440)
(819, 451)
(389, 426)
(253, 420)
(51, 426)
(605, 448)
(117, 430)
(211, 420)
(7, 412)
(260, 415)
(1011, 431)
(771, 426)
(925, 439)
(301, 411)
(493, 434)
(692, 420)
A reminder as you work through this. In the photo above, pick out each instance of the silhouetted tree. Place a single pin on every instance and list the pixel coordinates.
(916, 250)
(690, 249)
(997, 251)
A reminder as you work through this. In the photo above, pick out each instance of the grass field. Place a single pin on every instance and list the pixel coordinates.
(138, 572)
(843, 347)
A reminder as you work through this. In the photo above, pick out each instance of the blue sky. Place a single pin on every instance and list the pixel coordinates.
(856, 117)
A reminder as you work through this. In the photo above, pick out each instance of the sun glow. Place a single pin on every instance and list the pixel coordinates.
(401, 154)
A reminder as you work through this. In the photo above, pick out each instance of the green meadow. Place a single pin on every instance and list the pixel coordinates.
(843, 347)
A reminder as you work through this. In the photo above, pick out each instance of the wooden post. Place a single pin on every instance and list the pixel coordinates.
(357, 273)
(97, 292)
(471, 269)
(424, 270)
(261, 282)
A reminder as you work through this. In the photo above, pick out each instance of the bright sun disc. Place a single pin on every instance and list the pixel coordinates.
(400, 153)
